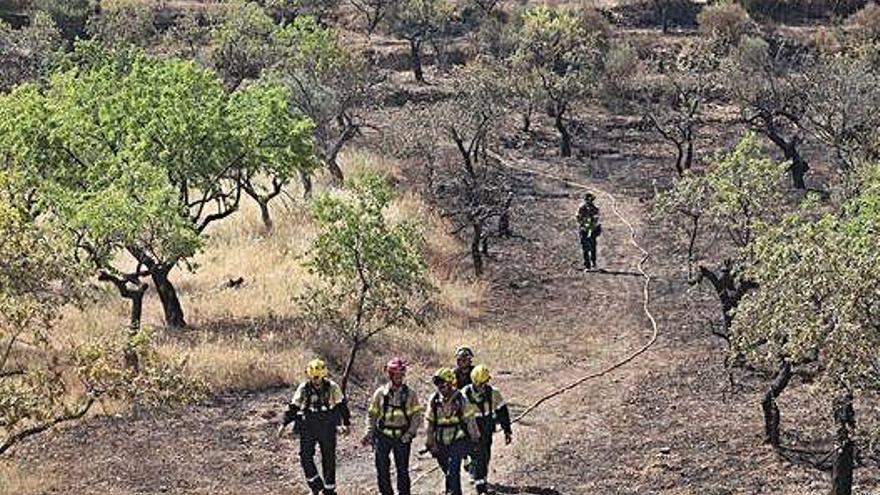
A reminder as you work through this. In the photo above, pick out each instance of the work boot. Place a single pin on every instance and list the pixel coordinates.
(329, 491)
(316, 484)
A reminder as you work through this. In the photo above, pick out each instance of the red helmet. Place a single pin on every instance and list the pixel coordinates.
(395, 365)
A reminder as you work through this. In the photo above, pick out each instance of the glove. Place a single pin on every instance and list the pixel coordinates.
(406, 438)
(342, 429)
(508, 437)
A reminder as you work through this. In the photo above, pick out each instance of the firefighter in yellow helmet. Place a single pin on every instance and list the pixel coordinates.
(393, 419)
(451, 428)
(318, 411)
(491, 412)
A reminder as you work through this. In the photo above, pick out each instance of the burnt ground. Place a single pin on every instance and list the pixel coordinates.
(670, 422)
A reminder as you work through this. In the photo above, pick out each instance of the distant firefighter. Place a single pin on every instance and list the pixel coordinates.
(589, 229)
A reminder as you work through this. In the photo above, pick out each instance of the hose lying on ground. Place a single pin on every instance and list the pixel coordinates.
(645, 306)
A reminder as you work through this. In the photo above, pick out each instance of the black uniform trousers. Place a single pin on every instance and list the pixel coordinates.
(386, 447)
(482, 454)
(588, 245)
(320, 433)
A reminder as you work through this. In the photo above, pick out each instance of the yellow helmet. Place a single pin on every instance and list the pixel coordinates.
(480, 374)
(316, 369)
(444, 375)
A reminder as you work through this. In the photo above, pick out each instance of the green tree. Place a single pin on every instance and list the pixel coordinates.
(69, 15)
(241, 44)
(39, 274)
(372, 271)
(418, 22)
(122, 23)
(817, 303)
(332, 84)
(564, 49)
(717, 213)
(140, 154)
(29, 52)
(766, 86)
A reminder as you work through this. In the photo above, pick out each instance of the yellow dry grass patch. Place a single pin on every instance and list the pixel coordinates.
(15, 479)
(252, 337)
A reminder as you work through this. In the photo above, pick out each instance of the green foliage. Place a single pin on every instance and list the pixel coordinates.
(126, 151)
(721, 209)
(29, 52)
(564, 49)
(418, 20)
(241, 44)
(725, 24)
(329, 82)
(38, 276)
(372, 271)
(817, 300)
(122, 23)
(69, 15)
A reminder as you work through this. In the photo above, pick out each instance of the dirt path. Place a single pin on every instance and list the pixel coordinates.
(667, 423)
(227, 445)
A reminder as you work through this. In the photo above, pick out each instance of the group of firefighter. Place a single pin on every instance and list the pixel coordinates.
(461, 417)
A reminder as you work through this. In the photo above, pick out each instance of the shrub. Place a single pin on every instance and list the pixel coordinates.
(725, 23)
(865, 23)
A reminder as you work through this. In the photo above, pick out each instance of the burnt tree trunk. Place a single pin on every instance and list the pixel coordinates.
(789, 147)
(306, 180)
(415, 53)
(772, 417)
(476, 254)
(565, 137)
(844, 459)
(174, 317)
(730, 290)
(349, 365)
(335, 171)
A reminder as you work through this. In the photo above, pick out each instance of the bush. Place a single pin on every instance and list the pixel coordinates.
(793, 10)
(725, 23)
(865, 23)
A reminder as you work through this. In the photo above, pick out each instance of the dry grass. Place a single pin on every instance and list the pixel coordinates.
(16, 480)
(253, 337)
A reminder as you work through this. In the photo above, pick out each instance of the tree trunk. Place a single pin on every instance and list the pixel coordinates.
(527, 118)
(306, 180)
(137, 310)
(168, 296)
(335, 171)
(798, 169)
(689, 153)
(349, 366)
(772, 416)
(475, 249)
(565, 137)
(844, 460)
(415, 51)
(265, 215)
